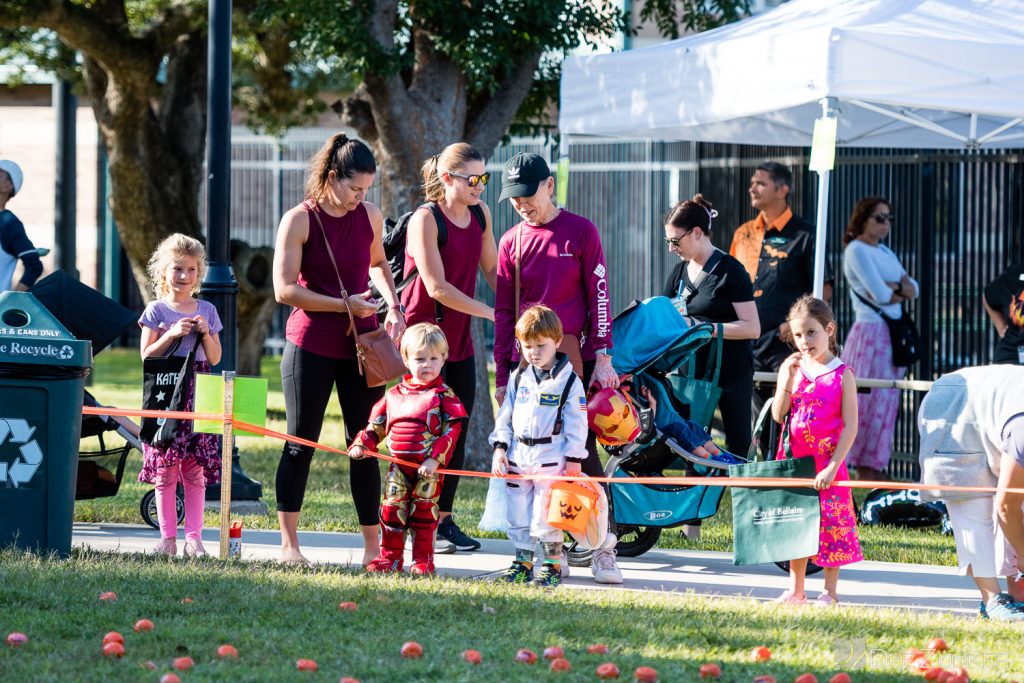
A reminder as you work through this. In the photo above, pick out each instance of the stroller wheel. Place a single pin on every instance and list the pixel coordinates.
(147, 507)
(811, 567)
(578, 557)
(636, 540)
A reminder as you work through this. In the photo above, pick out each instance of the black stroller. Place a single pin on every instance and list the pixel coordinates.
(108, 441)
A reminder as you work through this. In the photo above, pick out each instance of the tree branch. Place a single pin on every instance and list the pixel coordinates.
(486, 125)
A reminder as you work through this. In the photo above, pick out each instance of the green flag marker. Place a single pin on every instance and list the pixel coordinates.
(563, 181)
(250, 402)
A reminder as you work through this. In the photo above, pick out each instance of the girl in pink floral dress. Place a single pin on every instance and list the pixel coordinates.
(818, 395)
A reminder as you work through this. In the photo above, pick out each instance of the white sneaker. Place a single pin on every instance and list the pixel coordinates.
(604, 568)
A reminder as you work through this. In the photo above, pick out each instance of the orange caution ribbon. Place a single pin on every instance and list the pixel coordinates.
(746, 482)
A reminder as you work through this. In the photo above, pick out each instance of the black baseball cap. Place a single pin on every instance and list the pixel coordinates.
(522, 175)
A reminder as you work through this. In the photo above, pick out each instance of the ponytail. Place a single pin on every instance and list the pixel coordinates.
(342, 155)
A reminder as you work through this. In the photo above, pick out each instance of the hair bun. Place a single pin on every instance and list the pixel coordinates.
(699, 199)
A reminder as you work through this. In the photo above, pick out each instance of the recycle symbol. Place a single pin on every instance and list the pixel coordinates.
(65, 352)
(21, 471)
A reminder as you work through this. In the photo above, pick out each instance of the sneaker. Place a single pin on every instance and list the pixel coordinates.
(449, 531)
(604, 568)
(549, 576)
(517, 573)
(826, 600)
(166, 546)
(1002, 608)
(789, 598)
(194, 548)
(727, 458)
(982, 612)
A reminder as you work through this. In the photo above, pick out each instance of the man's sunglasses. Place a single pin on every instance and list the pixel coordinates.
(473, 180)
(883, 217)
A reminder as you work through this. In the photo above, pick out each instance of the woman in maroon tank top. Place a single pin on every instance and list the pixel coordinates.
(319, 355)
(444, 291)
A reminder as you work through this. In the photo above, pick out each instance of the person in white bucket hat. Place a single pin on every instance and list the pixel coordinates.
(14, 243)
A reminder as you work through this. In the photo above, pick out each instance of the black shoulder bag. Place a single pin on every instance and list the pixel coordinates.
(903, 334)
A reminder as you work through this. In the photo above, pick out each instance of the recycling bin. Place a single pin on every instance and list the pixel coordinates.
(42, 382)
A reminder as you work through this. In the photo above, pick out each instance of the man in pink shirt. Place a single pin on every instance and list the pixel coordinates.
(561, 265)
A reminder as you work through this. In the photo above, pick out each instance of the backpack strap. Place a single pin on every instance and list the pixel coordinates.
(478, 213)
(562, 401)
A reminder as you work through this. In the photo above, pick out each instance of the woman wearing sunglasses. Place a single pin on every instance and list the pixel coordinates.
(443, 293)
(715, 288)
(878, 283)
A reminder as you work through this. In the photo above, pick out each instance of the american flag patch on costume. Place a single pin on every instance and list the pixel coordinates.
(583, 403)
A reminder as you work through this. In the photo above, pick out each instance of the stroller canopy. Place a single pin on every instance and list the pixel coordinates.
(650, 334)
(86, 313)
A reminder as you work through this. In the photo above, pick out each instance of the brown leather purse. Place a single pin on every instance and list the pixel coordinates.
(570, 344)
(378, 357)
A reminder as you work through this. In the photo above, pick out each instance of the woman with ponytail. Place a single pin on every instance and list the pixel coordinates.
(443, 293)
(335, 225)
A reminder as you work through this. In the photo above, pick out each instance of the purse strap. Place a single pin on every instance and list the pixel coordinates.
(330, 254)
(519, 256)
(762, 419)
(876, 309)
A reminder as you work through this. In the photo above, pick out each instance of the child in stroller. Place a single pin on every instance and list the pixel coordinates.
(687, 437)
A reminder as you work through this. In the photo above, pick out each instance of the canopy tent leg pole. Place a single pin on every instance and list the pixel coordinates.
(562, 171)
(828, 111)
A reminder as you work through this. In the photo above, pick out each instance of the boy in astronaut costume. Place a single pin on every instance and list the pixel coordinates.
(541, 429)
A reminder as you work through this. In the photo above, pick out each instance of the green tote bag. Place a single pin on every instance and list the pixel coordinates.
(775, 524)
(701, 393)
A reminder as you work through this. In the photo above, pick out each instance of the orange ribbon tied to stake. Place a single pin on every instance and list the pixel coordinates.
(571, 506)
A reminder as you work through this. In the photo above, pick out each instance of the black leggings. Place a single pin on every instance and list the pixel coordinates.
(307, 380)
(460, 376)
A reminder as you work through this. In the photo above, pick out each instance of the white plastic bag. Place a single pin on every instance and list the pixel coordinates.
(495, 516)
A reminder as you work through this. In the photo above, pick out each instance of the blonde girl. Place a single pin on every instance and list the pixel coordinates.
(817, 395)
(176, 271)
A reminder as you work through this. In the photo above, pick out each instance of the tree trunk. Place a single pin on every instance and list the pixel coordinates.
(481, 422)
(256, 303)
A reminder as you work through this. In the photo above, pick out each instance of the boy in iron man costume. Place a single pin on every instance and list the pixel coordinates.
(423, 419)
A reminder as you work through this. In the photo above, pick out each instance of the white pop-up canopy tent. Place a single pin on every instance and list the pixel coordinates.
(894, 73)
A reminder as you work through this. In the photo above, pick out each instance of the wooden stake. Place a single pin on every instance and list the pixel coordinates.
(227, 446)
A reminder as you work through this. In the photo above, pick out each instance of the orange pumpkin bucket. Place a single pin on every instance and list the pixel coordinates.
(570, 507)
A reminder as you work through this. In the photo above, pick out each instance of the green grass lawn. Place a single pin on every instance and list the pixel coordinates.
(275, 616)
(328, 506)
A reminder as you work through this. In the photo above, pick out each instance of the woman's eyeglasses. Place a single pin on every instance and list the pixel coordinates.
(472, 180)
(884, 217)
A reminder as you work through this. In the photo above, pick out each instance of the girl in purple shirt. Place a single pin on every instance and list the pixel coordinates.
(176, 271)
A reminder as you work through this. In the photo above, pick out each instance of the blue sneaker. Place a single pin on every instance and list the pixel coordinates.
(1002, 608)
(982, 612)
(726, 458)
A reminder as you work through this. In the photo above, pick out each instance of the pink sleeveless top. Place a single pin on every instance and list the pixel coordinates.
(350, 237)
(461, 258)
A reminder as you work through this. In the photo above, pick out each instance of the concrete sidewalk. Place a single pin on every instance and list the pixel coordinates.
(874, 584)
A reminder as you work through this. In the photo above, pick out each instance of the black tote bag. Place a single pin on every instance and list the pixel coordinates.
(166, 382)
(903, 334)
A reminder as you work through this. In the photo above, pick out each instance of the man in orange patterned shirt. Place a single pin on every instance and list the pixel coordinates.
(777, 250)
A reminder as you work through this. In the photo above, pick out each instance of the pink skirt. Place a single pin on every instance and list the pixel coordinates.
(868, 352)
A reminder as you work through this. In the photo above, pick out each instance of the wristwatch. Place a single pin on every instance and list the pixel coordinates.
(399, 307)
(603, 352)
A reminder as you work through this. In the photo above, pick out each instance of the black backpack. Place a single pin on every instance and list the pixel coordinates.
(394, 248)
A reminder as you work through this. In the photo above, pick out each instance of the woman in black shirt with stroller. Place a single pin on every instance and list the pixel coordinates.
(716, 289)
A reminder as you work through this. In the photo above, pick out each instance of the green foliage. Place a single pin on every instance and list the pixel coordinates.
(692, 15)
